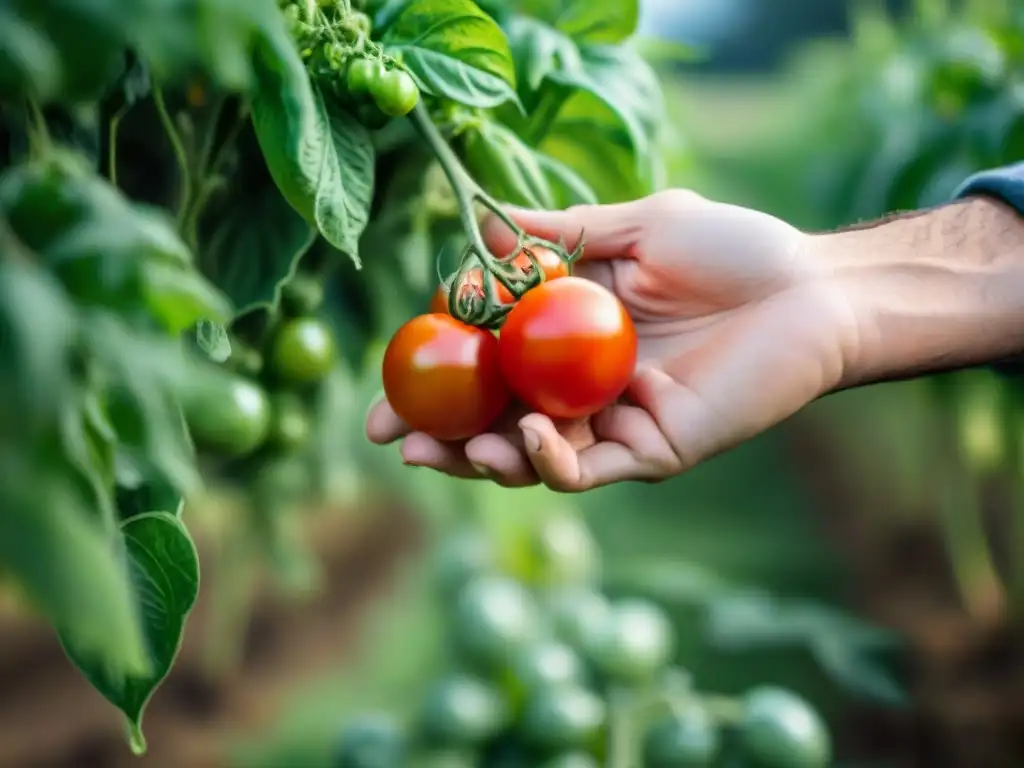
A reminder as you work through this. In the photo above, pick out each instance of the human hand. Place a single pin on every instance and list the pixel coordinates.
(739, 326)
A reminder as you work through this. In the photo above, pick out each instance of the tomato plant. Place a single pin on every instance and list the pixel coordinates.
(568, 348)
(442, 377)
(511, 689)
(208, 219)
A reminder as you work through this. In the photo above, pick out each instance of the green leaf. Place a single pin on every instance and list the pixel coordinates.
(588, 21)
(29, 61)
(321, 159)
(164, 574)
(251, 240)
(36, 332)
(589, 138)
(858, 674)
(61, 555)
(539, 50)
(620, 78)
(505, 167)
(455, 50)
(179, 298)
(567, 187)
(89, 443)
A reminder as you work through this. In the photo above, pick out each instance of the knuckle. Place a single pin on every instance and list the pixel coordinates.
(670, 200)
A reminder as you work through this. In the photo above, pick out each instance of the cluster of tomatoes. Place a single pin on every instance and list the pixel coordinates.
(545, 670)
(334, 39)
(567, 349)
(263, 405)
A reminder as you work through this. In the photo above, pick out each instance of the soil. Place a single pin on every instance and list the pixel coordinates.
(51, 718)
(967, 680)
(967, 674)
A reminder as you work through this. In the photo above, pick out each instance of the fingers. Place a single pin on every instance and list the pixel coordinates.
(383, 425)
(608, 231)
(630, 446)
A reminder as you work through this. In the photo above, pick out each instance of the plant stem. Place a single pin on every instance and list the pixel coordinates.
(185, 195)
(112, 129)
(619, 730)
(40, 142)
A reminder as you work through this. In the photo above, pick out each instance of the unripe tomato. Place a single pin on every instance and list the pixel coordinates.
(303, 351)
(395, 92)
(779, 729)
(372, 740)
(494, 619)
(572, 760)
(442, 377)
(564, 553)
(563, 717)
(290, 425)
(461, 557)
(577, 614)
(232, 419)
(568, 348)
(689, 740)
(634, 642)
(543, 665)
(361, 75)
(462, 710)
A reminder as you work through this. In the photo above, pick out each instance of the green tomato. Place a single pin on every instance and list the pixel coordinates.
(690, 740)
(543, 665)
(361, 75)
(494, 618)
(303, 351)
(573, 760)
(372, 740)
(564, 553)
(462, 710)
(302, 295)
(577, 614)
(395, 92)
(460, 557)
(778, 729)
(290, 426)
(563, 717)
(232, 419)
(633, 643)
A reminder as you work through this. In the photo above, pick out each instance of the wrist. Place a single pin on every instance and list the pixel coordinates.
(932, 291)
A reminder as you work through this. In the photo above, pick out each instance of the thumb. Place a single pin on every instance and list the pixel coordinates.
(608, 231)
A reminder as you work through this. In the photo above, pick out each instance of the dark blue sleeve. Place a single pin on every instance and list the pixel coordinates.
(1006, 184)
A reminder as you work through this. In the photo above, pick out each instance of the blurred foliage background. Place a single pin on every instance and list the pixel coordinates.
(886, 506)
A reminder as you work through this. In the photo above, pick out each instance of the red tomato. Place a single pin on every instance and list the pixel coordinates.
(472, 282)
(550, 262)
(442, 377)
(568, 348)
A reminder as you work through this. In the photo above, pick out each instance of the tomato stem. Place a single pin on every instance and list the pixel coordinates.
(468, 194)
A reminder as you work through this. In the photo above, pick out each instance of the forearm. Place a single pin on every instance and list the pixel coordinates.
(932, 291)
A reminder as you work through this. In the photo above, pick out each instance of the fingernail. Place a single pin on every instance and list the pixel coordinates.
(481, 470)
(532, 440)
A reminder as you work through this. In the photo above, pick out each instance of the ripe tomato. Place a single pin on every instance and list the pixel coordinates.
(394, 92)
(472, 283)
(568, 348)
(442, 377)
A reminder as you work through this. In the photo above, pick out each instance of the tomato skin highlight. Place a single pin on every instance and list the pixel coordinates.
(568, 348)
(442, 377)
